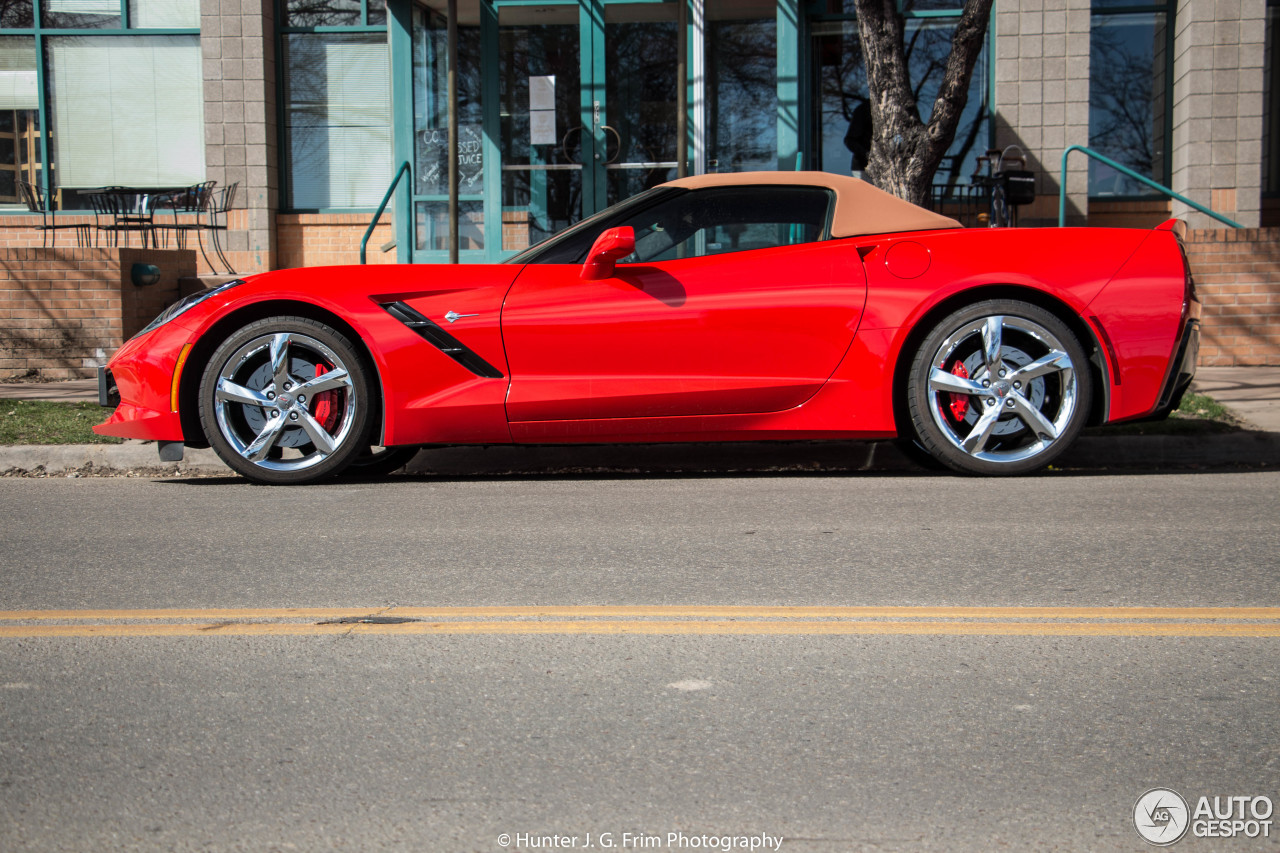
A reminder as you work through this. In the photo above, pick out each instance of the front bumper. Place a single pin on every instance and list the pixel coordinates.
(138, 383)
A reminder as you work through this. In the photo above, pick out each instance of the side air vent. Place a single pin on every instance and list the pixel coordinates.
(441, 340)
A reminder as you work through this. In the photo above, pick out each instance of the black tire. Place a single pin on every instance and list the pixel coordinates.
(286, 401)
(373, 462)
(1004, 413)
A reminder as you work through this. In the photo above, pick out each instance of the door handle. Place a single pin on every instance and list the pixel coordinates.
(564, 143)
(617, 136)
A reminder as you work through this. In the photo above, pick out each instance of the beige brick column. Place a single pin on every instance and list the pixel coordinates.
(237, 39)
(1217, 95)
(1042, 97)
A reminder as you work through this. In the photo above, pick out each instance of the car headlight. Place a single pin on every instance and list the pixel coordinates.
(185, 304)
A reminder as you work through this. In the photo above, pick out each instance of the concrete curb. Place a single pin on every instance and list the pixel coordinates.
(107, 460)
(1149, 452)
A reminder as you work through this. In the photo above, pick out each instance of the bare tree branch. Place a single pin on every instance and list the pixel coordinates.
(905, 152)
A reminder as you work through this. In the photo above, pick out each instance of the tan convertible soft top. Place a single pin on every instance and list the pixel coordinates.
(860, 207)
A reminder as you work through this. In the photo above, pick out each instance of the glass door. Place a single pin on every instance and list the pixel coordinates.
(638, 136)
(429, 152)
(587, 110)
(564, 107)
(541, 130)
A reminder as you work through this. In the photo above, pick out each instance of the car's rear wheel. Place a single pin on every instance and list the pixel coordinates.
(286, 401)
(998, 387)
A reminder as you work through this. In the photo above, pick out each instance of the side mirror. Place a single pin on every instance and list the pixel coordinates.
(606, 250)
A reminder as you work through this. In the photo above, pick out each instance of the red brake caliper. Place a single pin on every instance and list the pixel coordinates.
(325, 412)
(959, 402)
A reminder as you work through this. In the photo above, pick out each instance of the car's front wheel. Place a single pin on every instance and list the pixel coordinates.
(998, 387)
(286, 401)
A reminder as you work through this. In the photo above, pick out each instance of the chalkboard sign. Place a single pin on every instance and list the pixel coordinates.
(433, 160)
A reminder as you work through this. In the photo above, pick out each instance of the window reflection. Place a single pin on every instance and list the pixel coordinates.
(16, 13)
(640, 91)
(323, 13)
(1126, 102)
(19, 117)
(82, 14)
(431, 105)
(842, 116)
(742, 74)
(542, 194)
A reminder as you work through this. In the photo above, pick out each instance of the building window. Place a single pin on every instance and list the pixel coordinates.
(1130, 78)
(121, 106)
(335, 88)
(20, 155)
(125, 112)
(82, 14)
(841, 109)
(164, 14)
(334, 13)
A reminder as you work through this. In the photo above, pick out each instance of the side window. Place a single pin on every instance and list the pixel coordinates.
(729, 219)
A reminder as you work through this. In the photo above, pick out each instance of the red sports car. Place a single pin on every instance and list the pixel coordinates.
(765, 306)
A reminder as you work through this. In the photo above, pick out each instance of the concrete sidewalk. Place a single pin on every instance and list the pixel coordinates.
(73, 391)
(1253, 393)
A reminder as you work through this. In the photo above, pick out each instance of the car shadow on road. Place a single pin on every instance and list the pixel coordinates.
(1091, 456)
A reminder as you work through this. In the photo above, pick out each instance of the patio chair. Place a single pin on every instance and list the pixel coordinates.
(119, 210)
(38, 202)
(220, 202)
(190, 203)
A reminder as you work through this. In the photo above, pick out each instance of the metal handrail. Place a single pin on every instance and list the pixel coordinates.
(1062, 187)
(368, 232)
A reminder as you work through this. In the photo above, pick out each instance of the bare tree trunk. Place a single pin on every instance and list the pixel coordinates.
(905, 152)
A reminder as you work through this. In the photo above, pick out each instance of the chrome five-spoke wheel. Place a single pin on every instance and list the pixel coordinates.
(285, 401)
(1000, 387)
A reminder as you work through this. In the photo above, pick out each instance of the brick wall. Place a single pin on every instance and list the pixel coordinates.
(20, 231)
(1237, 275)
(64, 311)
(322, 239)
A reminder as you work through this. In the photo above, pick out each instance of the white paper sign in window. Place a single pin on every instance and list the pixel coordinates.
(542, 110)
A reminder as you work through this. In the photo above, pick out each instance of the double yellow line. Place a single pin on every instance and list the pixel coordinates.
(656, 619)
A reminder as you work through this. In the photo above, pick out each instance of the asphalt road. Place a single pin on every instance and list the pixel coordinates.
(848, 663)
